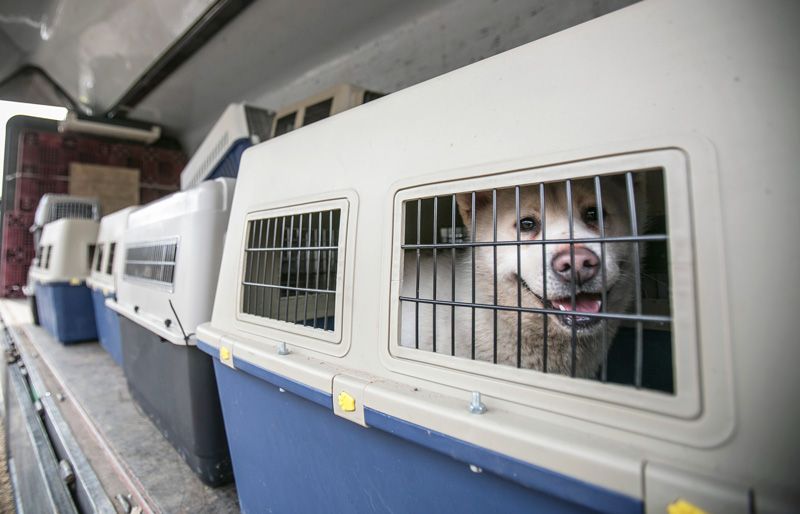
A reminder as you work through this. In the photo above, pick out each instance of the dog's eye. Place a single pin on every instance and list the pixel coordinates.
(527, 224)
(591, 215)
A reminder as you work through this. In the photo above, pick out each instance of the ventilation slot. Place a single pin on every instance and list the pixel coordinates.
(71, 210)
(285, 123)
(110, 264)
(90, 249)
(152, 262)
(211, 160)
(318, 111)
(98, 263)
(259, 122)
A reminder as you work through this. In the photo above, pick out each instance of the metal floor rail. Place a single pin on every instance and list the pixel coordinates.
(50, 472)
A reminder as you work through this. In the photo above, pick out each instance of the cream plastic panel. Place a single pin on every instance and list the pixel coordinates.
(112, 228)
(69, 260)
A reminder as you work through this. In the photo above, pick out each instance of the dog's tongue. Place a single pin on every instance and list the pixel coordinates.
(583, 303)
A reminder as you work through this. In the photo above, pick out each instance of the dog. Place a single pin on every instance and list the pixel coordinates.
(531, 275)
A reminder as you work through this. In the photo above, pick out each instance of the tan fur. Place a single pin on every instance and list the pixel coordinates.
(589, 348)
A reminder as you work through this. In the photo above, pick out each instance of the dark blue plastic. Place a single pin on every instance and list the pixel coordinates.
(66, 311)
(107, 326)
(292, 454)
(229, 165)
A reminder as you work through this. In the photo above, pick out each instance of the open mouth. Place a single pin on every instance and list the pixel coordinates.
(590, 303)
(584, 302)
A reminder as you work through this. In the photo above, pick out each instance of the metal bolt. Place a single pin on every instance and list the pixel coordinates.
(124, 503)
(59, 397)
(66, 472)
(283, 349)
(475, 469)
(476, 406)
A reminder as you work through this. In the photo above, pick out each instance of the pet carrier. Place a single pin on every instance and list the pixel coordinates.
(58, 274)
(173, 249)
(321, 106)
(106, 269)
(53, 207)
(239, 127)
(528, 285)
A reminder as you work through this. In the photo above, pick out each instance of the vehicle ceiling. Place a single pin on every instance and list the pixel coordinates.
(272, 53)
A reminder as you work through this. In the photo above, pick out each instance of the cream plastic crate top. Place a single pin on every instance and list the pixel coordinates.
(239, 122)
(53, 207)
(65, 251)
(685, 115)
(173, 248)
(320, 106)
(109, 255)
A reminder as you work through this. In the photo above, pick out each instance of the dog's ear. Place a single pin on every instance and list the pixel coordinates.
(464, 201)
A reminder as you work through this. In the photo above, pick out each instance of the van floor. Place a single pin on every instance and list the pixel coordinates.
(128, 453)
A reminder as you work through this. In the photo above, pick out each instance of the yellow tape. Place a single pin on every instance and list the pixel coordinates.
(347, 402)
(684, 507)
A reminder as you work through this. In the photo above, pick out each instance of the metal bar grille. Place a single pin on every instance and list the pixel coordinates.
(90, 249)
(153, 262)
(557, 277)
(80, 210)
(645, 238)
(290, 268)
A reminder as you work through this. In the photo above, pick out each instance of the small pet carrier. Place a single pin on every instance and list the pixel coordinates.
(58, 277)
(171, 261)
(106, 271)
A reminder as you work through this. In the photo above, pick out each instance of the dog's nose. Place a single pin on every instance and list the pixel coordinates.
(586, 264)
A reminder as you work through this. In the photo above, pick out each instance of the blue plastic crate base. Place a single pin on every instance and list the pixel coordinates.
(66, 311)
(107, 326)
(176, 388)
(291, 453)
(229, 165)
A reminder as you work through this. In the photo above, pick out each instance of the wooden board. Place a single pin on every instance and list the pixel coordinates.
(116, 187)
